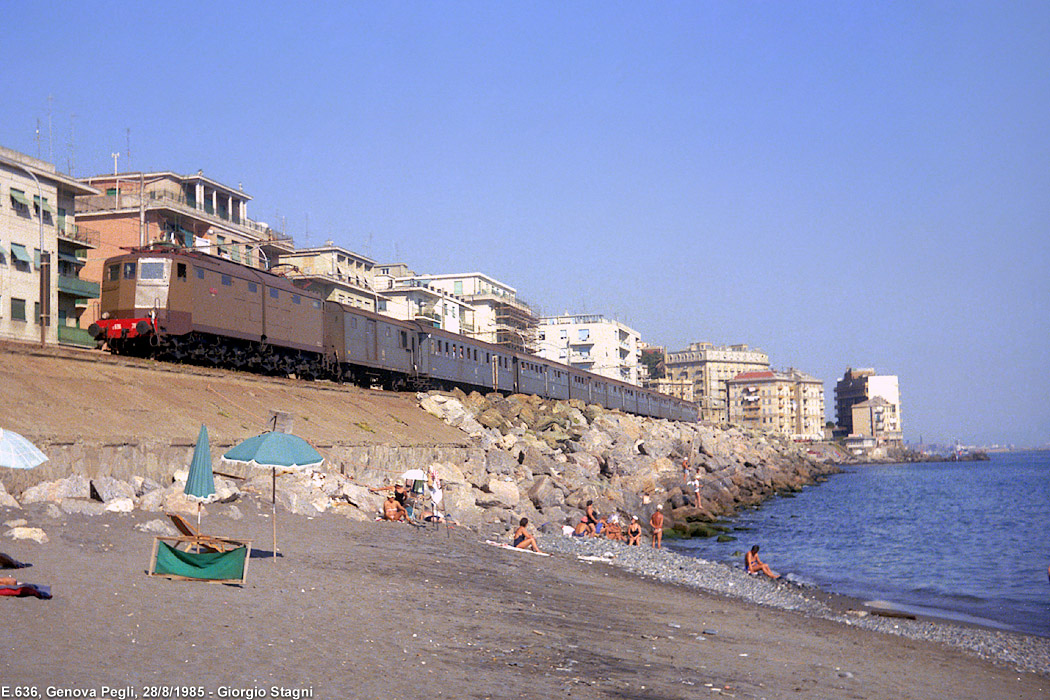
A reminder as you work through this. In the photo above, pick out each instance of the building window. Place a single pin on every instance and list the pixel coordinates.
(18, 309)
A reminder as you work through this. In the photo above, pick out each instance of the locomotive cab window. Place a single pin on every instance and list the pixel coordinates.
(129, 270)
(113, 273)
(151, 271)
(180, 271)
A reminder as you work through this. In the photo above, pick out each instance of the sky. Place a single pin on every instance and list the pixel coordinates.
(859, 184)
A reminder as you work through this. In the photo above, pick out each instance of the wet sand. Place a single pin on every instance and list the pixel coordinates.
(363, 610)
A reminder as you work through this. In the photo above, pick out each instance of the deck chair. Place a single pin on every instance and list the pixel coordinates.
(227, 566)
(193, 538)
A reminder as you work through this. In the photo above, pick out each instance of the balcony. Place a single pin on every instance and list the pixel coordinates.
(73, 233)
(77, 287)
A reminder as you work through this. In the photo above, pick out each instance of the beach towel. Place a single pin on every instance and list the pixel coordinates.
(25, 590)
(504, 545)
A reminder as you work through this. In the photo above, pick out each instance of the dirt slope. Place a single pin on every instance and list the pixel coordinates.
(58, 395)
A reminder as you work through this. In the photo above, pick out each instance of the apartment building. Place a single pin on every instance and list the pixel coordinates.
(193, 211)
(335, 273)
(878, 420)
(42, 253)
(496, 315)
(860, 385)
(790, 403)
(593, 343)
(706, 369)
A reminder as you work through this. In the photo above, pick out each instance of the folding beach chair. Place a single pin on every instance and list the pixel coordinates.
(193, 538)
(228, 566)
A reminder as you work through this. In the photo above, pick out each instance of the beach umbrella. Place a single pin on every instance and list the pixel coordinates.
(414, 475)
(200, 481)
(18, 453)
(275, 450)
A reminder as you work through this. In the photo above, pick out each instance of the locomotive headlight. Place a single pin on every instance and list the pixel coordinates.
(105, 314)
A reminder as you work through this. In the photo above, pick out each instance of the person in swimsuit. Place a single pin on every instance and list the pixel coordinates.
(634, 531)
(522, 538)
(657, 524)
(394, 511)
(755, 565)
(590, 519)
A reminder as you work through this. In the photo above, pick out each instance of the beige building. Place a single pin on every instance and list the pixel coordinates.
(860, 385)
(592, 343)
(334, 272)
(193, 211)
(879, 420)
(497, 315)
(707, 369)
(42, 253)
(790, 403)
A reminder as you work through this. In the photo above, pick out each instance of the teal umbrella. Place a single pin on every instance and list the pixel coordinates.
(275, 450)
(200, 482)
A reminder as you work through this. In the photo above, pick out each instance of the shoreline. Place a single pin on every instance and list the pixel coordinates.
(1018, 650)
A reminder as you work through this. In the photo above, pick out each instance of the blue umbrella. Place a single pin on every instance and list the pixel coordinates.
(18, 453)
(275, 450)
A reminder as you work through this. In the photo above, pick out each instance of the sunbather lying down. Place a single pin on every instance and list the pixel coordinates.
(7, 562)
(11, 587)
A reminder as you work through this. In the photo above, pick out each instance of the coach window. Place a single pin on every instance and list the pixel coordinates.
(275, 294)
(296, 299)
(404, 339)
(488, 358)
(129, 270)
(180, 271)
(113, 273)
(227, 281)
(316, 303)
(200, 273)
(253, 287)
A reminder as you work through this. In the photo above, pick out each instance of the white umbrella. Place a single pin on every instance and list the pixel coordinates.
(18, 453)
(414, 475)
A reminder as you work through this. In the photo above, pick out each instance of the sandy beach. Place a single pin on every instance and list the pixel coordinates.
(361, 610)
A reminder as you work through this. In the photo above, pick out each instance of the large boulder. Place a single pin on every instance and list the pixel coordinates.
(82, 506)
(6, 499)
(544, 493)
(106, 489)
(75, 486)
(501, 493)
(500, 462)
(33, 534)
(587, 463)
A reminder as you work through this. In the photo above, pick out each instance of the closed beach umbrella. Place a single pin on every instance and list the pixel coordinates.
(18, 453)
(200, 481)
(275, 450)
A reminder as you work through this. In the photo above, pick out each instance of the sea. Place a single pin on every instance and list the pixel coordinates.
(962, 541)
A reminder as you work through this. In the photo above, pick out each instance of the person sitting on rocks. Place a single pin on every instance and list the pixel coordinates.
(754, 565)
(657, 524)
(613, 531)
(523, 539)
(393, 510)
(581, 529)
(634, 531)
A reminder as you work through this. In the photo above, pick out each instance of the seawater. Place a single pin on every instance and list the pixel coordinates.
(967, 541)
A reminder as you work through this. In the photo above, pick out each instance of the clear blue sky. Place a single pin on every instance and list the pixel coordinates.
(840, 184)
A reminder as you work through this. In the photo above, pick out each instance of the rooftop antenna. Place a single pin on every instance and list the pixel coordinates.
(127, 141)
(72, 144)
(38, 137)
(50, 139)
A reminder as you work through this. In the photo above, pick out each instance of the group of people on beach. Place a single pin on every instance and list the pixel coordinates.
(592, 525)
(405, 497)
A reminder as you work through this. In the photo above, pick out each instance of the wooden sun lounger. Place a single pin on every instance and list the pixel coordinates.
(192, 537)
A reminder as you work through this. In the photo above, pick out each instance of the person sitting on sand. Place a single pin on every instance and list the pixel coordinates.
(657, 524)
(590, 519)
(613, 530)
(634, 532)
(755, 565)
(394, 511)
(522, 538)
